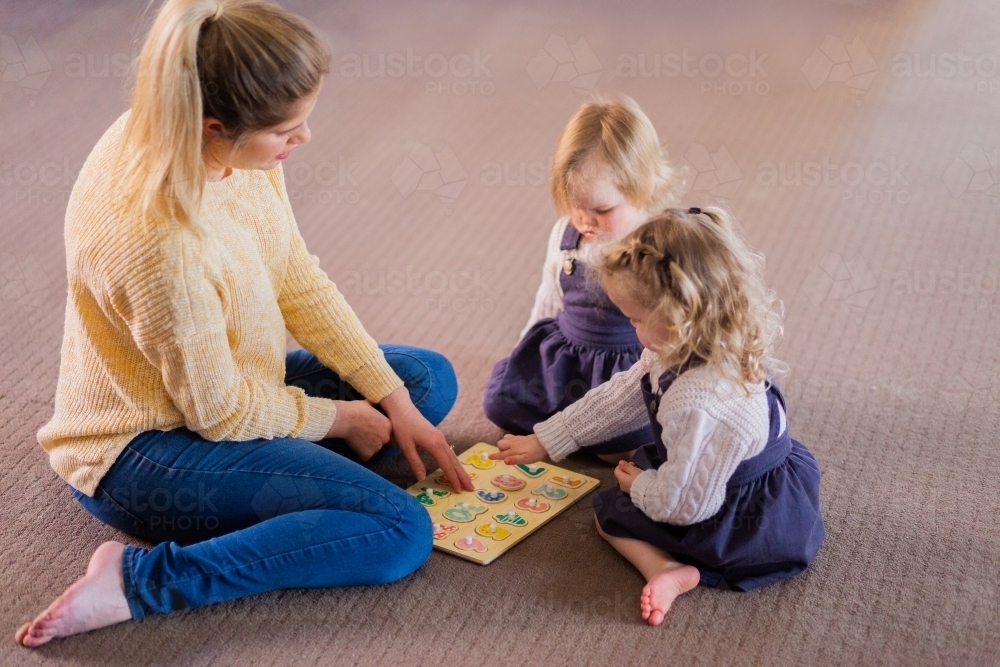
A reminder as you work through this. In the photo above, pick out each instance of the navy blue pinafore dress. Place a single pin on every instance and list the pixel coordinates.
(560, 359)
(769, 527)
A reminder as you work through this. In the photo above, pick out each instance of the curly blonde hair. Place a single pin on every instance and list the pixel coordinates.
(614, 135)
(695, 275)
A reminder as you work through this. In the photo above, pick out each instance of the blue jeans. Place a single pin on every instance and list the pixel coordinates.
(237, 518)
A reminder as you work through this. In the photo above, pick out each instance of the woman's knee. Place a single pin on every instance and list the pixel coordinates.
(429, 377)
(413, 541)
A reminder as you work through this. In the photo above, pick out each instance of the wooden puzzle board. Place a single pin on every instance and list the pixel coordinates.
(481, 525)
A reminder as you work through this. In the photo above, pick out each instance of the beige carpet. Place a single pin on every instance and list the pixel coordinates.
(884, 250)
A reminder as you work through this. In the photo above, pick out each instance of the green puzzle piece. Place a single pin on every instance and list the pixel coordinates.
(530, 470)
(513, 518)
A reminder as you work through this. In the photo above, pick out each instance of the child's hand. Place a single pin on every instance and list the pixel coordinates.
(625, 473)
(519, 449)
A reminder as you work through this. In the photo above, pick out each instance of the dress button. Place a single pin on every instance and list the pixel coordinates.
(653, 405)
(568, 267)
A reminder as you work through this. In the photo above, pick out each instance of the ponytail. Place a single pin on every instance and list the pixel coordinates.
(245, 63)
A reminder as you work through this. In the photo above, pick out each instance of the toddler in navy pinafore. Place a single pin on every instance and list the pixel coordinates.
(576, 338)
(723, 495)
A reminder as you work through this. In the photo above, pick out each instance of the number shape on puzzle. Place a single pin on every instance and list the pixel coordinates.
(469, 543)
(512, 518)
(481, 460)
(442, 479)
(493, 530)
(508, 482)
(463, 512)
(443, 530)
(550, 492)
(429, 496)
(531, 470)
(567, 480)
(491, 496)
(532, 505)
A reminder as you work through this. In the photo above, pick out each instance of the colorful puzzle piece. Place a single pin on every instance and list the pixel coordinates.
(530, 469)
(469, 543)
(532, 505)
(567, 480)
(513, 518)
(508, 504)
(442, 530)
(442, 479)
(493, 530)
(463, 512)
(491, 496)
(428, 495)
(481, 460)
(508, 482)
(550, 492)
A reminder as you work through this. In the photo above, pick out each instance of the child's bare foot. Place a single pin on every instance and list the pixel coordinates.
(96, 600)
(615, 458)
(659, 593)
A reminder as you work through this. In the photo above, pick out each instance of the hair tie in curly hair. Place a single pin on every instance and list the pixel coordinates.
(694, 210)
(665, 261)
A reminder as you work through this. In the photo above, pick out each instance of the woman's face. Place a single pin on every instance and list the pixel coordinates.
(264, 149)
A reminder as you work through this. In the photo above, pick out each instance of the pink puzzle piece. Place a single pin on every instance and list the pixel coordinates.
(470, 543)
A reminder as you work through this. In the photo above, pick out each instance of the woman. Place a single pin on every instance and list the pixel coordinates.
(179, 418)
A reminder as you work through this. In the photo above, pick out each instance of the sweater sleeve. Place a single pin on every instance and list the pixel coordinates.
(319, 318)
(706, 440)
(549, 297)
(606, 411)
(175, 314)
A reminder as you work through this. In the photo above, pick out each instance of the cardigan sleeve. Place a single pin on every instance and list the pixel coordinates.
(319, 317)
(606, 411)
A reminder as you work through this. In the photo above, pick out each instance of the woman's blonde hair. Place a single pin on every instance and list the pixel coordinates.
(697, 277)
(618, 136)
(245, 63)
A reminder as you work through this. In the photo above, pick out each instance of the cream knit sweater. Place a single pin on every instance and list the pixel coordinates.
(710, 425)
(164, 329)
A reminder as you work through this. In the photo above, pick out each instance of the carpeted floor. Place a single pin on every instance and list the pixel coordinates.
(860, 154)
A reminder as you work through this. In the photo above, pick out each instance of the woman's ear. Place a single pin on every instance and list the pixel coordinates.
(211, 129)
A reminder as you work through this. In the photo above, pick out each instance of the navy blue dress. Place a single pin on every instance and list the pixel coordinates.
(769, 527)
(560, 359)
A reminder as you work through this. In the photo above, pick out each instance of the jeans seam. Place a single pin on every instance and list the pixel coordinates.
(142, 524)
(427, 371)
(398, 522)
(253, 472)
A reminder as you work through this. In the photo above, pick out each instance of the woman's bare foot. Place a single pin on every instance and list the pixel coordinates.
(96, 600)
(660, 592)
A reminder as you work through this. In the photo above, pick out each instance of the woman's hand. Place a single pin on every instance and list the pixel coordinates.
(519, 449)
(365, 429)
(625, 473)
(411, 431)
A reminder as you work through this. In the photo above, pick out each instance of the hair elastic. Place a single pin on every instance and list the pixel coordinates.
(694, 210)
